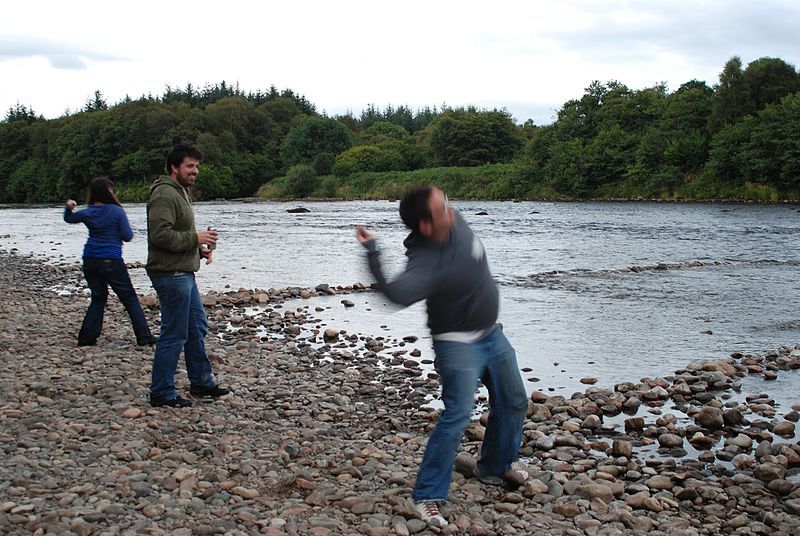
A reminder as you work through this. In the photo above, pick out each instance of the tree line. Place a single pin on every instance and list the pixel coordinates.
(739, 138)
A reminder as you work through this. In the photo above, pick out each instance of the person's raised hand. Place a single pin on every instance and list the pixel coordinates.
(362, 235)
(207, 254)
(71, 204)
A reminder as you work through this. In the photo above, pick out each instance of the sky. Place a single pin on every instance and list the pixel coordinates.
(528, 57)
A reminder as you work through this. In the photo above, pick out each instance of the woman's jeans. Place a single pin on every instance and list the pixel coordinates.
(100, 274)
(460, 366)
(183, 327)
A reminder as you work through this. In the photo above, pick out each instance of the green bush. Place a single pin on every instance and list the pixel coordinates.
(368, 158)
(329, 186)
(272, 189)
(382, 131)
(215, 182)
(300, 181)
(323, 163)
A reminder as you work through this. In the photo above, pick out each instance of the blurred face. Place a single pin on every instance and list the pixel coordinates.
(442, 219)
(186, 173)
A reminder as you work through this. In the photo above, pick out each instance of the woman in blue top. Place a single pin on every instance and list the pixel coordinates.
(102, 261)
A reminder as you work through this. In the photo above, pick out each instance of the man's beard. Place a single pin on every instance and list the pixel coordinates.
(183, 180)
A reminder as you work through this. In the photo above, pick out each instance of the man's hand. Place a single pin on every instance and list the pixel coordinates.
(362, 235)
(71, 204)
(207, 254)
(209, 238)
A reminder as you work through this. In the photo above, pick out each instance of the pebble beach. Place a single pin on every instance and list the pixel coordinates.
(325, 429)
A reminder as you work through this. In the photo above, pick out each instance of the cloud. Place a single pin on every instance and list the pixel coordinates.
(641, 32)
(60, 55)
(69, 62)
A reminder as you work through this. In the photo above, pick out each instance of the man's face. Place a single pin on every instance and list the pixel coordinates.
(187, 172)
(442, 219)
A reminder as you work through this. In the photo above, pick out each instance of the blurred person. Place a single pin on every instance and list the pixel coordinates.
(174, 250)
(103, 265)
(447, 267)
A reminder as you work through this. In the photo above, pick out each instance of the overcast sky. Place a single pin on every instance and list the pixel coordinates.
(527, 56)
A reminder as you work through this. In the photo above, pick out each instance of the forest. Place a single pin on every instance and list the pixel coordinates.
(736, 140)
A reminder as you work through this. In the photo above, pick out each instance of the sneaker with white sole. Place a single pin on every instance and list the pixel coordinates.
(429, 513)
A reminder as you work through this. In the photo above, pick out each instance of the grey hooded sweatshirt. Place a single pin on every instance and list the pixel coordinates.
(453, 278)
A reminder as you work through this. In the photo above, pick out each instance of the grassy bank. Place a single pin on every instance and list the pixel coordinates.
(487, 182)
(501, 181)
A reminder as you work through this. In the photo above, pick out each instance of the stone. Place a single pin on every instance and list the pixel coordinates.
(621, 447)
(634, 424)
(246, 493)
(769, 471)
(741, 441)
(781, 486)
(659, 482)
(534, 486)
(330, 334)
(636, 501)
(670, 440)
(709, 418)
(732, 417)
(132, 413)
(595, 491)
(466, 465)
(591, 422)
(567, 509)
(784, 428)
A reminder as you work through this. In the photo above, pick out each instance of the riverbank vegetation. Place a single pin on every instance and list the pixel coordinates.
(739, 139)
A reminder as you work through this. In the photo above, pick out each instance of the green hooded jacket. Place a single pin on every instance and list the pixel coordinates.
(171, 236)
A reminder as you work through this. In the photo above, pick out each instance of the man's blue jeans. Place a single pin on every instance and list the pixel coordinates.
(460, 366)
(100, 274)
(183, 327)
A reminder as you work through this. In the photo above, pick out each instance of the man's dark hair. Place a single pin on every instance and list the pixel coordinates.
(178, 153)
(414, 207)
(101, 190)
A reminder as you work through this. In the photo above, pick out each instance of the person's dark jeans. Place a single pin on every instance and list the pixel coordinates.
(100, 274)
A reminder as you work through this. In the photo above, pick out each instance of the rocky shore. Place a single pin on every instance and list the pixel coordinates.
(325, 430)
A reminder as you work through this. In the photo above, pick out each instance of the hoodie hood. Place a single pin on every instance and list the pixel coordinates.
(164, 180)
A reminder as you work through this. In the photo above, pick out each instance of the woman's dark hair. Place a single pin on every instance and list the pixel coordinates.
(414, 207)
(101, 190)
(178, 153)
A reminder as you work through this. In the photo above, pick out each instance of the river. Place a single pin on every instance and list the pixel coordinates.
(612, 291)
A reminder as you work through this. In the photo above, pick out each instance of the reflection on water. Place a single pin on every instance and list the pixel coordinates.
(614, 291)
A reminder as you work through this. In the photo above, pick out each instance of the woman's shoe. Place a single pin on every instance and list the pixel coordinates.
(147, 341)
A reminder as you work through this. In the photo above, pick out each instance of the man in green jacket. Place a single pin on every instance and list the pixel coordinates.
(174, 249)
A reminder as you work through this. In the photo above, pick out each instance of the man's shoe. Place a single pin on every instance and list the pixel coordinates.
(146, 341)
(429, 513)
(513, 478)
(87, 342)
(176, 402)
(209, 392)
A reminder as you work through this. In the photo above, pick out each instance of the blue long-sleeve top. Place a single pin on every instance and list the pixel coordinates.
(108, 228)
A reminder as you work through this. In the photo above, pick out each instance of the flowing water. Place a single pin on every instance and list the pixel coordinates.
(613, 291)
